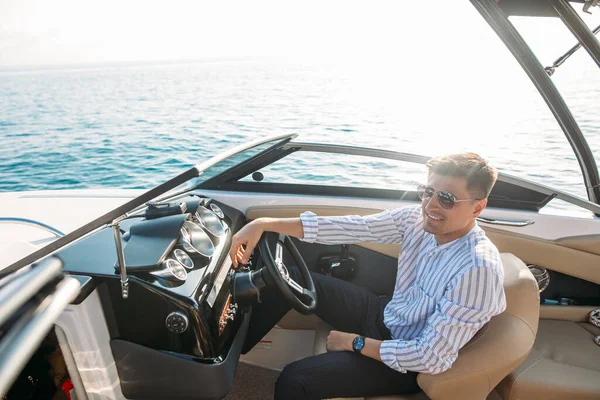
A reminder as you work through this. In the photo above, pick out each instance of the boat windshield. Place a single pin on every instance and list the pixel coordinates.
(227, 160)
(577, 78)
(236, 159)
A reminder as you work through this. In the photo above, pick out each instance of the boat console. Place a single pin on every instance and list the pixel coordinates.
(177, 312)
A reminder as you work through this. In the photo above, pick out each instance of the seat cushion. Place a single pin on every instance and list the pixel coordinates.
(417, 396)
(564, 364)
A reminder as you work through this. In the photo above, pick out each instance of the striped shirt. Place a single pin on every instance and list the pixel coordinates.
(443, 294)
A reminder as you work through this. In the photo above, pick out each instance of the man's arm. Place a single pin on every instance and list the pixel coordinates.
(468, 304)
(385, 227)
(245, 240)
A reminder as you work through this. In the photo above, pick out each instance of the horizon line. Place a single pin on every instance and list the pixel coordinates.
(102, 64)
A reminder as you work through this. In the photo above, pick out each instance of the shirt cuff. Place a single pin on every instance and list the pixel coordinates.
(388, 352)
(310, 225)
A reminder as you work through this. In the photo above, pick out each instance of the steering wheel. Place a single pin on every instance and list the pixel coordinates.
(280, 275)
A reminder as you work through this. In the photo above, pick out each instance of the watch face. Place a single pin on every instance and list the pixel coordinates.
(358, 343)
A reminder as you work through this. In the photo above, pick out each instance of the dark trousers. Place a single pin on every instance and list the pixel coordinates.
(348, 308)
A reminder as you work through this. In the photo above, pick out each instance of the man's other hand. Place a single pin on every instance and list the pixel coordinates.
(340, 341)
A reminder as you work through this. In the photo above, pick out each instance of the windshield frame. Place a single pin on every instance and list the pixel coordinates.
(497, 17)
(500, 197)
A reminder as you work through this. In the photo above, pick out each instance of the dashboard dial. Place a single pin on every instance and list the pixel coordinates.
(195, 240)
(210, 222)
(217, 210)
(183, 258)
(172, 270)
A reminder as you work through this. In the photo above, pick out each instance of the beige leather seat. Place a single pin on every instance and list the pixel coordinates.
(497, 349)
(563, 364)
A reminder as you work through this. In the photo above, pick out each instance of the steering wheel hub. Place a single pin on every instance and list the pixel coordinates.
(303, 298)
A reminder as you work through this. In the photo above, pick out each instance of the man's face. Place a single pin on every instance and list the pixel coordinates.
(448, 225)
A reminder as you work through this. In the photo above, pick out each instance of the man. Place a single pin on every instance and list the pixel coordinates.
(449, 284)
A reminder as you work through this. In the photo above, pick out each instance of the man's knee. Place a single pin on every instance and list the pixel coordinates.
(290, 385)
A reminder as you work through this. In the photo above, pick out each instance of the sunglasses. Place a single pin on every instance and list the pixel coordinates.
(446, 199)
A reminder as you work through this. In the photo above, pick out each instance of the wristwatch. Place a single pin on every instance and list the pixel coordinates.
(358, 343)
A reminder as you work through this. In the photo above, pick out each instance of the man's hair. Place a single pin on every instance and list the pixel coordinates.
(479, 174)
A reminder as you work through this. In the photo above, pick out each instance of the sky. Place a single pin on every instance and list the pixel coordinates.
(58, 32)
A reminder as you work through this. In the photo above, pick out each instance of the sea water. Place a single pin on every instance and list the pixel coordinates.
(137, 125)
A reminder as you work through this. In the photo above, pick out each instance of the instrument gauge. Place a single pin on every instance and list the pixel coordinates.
(172, 271)
(217, 210)
(183, 258)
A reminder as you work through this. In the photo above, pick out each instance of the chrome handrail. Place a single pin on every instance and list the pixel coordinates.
(32, 222)
(505, 222)
(19, 290)
(26, 334)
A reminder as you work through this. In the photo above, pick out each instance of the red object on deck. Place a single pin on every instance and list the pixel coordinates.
(66, 387)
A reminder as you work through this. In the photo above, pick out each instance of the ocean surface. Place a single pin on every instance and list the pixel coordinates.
(137, 125)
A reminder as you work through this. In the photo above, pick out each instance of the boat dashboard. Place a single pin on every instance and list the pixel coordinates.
(178, 310)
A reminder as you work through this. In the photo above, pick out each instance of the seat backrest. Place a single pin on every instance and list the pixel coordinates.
(499, 347)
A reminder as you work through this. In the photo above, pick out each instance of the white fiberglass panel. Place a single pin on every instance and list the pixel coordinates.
(547, 227)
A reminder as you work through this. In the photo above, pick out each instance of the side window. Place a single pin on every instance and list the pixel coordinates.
(331, 169)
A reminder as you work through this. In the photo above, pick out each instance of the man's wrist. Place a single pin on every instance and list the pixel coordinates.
(350, 342)
(262, 223)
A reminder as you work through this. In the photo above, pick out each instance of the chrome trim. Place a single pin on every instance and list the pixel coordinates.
(541, 275)
(219, 281)
(25, 335)
(217, 210)
(19, 290)
(493, 221)
(357, 151)
(413, 158)
(9, 278)
(32, 222)
(168, 272)
(210, 222)
(195, 240)
(187, 260)
(279, 253)
(578, 28)
(295, 285)
(121, 258)
(559, 61)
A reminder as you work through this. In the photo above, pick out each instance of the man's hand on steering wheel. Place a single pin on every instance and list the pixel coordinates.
(244, 242)
(247, 238)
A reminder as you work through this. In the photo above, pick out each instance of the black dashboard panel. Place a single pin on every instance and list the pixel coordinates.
(151, 375)
(150, 241)
(192, 319)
